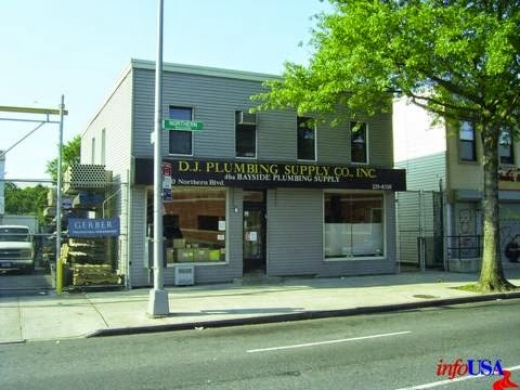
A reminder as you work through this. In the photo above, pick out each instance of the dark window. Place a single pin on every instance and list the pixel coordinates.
(208, 222)
(306, 139)
(245, 139)
(358, 142)
(181, 141)
(468, 150)
(506, 148)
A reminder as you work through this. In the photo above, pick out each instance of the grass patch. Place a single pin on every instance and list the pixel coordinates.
(476, 288)
(473, 287)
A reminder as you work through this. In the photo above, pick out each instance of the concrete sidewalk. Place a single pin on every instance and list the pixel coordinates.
(74, 315)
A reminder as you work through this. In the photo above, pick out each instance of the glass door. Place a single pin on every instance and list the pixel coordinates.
(254, 235)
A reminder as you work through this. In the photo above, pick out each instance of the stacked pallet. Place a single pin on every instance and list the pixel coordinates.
(93, 274)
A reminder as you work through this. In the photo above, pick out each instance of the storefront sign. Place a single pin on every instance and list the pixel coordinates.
(93, 227)
(256, 174)
(509, 179)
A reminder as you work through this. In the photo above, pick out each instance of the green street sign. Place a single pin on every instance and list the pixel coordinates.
(179, 124)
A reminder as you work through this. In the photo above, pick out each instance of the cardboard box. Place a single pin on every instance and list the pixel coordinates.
(201, 254)
(179, 243)
(214, 255)
(170, 255)
(184, 255)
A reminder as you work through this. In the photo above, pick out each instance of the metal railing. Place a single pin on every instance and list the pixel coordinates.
(464, 246)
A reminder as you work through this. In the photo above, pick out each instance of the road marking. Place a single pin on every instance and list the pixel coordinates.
(431, 385)
(327, 342)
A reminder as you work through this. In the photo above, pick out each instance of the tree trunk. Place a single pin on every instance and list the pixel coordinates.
(492, 276)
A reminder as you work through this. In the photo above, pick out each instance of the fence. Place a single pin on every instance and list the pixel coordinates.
(419, 221)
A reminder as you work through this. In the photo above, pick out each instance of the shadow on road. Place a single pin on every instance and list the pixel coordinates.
(15, 284)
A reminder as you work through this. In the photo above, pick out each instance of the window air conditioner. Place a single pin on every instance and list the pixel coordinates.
(184, 275)
(245, 118)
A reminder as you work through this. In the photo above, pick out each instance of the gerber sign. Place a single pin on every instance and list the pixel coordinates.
(263, 174)
(78, 227)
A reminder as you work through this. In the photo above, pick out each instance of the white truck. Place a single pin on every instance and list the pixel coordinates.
(16, 248)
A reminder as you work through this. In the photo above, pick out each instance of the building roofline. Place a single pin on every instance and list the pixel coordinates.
(122, 76)
(204, 70)
(178, 68)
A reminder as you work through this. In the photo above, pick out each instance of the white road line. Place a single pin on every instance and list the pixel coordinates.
(431, 385)
(327, 342)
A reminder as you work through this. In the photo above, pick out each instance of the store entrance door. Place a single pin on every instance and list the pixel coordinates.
(254, 232)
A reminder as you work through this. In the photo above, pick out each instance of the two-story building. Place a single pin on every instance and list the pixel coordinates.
(269, 192)
(446, 157)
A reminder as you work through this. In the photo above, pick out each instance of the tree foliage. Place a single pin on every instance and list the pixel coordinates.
(71, 156)
(459, 59)
(26, 200)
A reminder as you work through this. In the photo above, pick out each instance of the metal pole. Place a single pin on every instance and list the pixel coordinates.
(158, 304)
(59, 186)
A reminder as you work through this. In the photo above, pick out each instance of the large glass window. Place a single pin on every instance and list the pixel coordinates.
(467, 149)
(195, 225)
(306, 139)
(358, 142)
(181, 141)
(354, 225)
(506, 148)
(245, 138)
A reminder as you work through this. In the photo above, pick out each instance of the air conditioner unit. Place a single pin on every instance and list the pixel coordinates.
(245, 118)
(184, 275)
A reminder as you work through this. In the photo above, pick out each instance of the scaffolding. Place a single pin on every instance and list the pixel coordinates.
(47, 113)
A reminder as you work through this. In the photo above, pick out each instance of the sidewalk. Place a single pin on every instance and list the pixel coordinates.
(91, 314)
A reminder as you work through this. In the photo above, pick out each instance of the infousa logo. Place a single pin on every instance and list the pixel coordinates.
(477, 367)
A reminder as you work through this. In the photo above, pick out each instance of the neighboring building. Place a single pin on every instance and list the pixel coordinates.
(268, 192)
(2, 183)
(441, 157)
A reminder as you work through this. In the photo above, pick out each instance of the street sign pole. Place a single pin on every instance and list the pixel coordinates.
(158, 304)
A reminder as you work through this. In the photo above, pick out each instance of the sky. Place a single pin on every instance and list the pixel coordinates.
(79, 48)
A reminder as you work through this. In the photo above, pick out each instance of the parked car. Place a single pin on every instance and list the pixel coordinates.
(16, 248)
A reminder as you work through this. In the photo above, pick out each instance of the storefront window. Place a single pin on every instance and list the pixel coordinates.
(194, 225)
(354, 225)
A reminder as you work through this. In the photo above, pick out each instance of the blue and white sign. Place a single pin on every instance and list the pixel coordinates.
(97, 227)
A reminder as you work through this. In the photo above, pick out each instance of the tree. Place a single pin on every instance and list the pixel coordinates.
(26, 200)
(71, 156)
(459, 59)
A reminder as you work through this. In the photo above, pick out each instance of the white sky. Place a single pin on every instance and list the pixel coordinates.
(78, 49)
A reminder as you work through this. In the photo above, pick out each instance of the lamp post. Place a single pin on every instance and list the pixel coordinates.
(158, 304)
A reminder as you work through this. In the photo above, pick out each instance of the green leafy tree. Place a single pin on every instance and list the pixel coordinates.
(459, 59)
(26, 200)
(71, 156)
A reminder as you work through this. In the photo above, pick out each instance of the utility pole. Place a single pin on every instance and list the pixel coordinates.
(59, 203)
(158, 304)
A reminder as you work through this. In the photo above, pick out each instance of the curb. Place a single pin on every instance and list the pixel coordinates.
(306, 315)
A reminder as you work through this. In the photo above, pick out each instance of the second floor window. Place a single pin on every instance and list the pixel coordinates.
(467, 149)
(506, 148)
(245, 136)
(306, 138)
(181, 141)
(358, 142)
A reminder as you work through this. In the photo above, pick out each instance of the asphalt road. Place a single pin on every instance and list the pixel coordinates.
(15, 284)
(388, 352)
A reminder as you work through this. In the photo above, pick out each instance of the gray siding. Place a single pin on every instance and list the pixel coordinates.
(215, 100)
(295, 216)
(115, 118)
(295, 237)
(334, 142)
(139, 273)
(380, 141)
(424, 173)
(294, 231)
